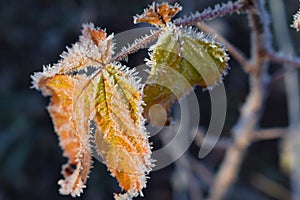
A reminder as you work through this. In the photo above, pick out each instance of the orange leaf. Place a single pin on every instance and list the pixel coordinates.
(72, 129)
(96, 35)
(71, 102)
(158, 14)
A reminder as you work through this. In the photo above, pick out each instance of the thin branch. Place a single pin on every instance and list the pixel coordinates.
(269, 134)
(270, 187)
(289, 64)
(283, 59)
(207, 14)
(260, 37)
(291, 81)
(251, 110)
(211, 13)
(264, 134)
(190, 183)
(234, 51)
(280, 73)
(201, 171)
(137, 45)
(222, 144)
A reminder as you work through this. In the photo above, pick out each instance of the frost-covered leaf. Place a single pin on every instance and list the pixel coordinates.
(181, 59)
(94, 48)
(72, 129)
(71, 102)
(296, 21)
(121, 138)
(158, 14)
(85, 90)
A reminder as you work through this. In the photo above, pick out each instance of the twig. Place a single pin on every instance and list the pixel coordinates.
(201, 171)
(280, 73)
(264, 134)
(191, 184)
(289, 64)
(260, 37)
(251, 110)
(217, 11)
(269, 134)
(283, 59)
(222, 144)
(270, 187)
(207, 14)
(138, 44)
(234, 51)
(292, 92)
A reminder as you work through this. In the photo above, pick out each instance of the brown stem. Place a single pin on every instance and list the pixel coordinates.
(251, 110)
(288, 62)
(201, 171)
(270, 187)
(269, 134)
(264, 134)
(291, 81)
(283, 59)
(243, 130)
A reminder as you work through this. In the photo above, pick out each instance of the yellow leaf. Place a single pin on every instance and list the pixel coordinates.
(121, 138)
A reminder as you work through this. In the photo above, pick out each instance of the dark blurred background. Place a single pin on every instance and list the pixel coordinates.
(35, 32)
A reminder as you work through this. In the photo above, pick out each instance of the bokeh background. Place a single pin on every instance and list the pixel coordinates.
(35, 32)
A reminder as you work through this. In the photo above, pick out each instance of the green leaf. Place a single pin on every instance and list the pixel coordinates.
(181, 59)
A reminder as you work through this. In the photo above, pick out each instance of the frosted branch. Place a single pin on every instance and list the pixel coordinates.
(252, 108)
(211, 13)
(136, 45)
